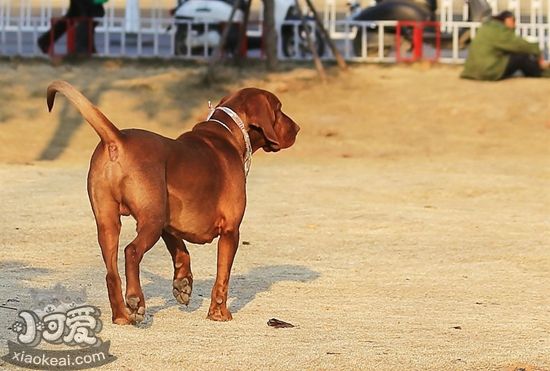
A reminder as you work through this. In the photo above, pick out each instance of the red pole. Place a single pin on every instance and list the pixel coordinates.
(70, 36)
(417, 40)
(437, 41)
(244, 44)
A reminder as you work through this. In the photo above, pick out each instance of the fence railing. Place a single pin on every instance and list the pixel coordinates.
(155, 34)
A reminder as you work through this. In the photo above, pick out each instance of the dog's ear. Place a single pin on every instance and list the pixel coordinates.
(262, 116)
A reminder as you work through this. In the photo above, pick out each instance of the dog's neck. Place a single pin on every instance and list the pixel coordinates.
(237, 120)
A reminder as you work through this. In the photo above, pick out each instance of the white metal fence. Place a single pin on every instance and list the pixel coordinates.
(153, 32)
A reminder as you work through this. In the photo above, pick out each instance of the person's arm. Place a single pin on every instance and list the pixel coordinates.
(509, 42)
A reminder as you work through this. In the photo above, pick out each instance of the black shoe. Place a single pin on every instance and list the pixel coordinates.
(44, 43)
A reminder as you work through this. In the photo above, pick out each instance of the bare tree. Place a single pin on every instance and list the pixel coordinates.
(239, 57)
(217, 54)
(326, 36)
(312, 47)
(270, 35)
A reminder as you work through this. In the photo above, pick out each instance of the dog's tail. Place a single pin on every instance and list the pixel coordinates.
(108, 132)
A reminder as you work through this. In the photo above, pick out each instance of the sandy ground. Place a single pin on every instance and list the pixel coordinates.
(408, 228)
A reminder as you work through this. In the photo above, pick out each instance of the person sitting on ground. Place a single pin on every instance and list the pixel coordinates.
(496, 52)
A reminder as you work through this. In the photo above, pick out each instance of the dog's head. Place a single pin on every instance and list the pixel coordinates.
(269, 127)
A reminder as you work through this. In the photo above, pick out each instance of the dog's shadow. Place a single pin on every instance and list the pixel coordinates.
(243, 288)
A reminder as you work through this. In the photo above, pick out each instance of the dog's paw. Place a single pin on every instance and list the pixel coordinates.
(182, 288)
(218, 313)
(135, 312)
(122, 321)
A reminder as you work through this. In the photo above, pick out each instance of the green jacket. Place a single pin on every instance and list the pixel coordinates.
(490, 51)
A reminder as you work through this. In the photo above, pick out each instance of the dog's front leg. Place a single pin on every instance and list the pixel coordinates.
(227, 247)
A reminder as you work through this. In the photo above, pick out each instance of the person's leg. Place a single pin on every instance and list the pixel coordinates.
(85, 31)
(528, 64)
(59, 28)
(97, 12)
(82, 36)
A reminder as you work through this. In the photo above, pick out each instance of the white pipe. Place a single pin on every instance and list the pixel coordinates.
(132, 16)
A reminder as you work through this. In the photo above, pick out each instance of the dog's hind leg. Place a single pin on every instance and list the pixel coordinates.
(149, 231)
(183, 278)
(146, 200)
(108, 231)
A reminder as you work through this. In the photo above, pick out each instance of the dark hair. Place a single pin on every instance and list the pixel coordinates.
(503, 15)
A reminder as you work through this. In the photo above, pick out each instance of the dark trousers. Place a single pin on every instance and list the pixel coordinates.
(528, 64)
(77, 8)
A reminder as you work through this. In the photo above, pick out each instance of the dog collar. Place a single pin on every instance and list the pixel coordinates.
(229, 112)
(221, 123)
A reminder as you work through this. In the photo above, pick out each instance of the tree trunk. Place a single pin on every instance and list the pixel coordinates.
(239, 58)
(217, 55)
(310, 45)
(270, 35)
(339, 59)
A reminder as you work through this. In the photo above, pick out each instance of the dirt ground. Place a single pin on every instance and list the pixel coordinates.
(407, 229)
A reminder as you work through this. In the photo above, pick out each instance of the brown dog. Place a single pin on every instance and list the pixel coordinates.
(191, 188)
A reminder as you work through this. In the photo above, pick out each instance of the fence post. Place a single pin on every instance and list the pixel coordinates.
(131, 16)
(417, 40)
